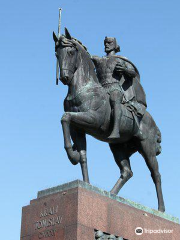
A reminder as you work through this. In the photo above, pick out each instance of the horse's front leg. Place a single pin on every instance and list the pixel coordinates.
(81, 120)
(79, 140)
(73, 154)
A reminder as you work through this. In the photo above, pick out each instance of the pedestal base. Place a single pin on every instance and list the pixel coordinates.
(79, 211)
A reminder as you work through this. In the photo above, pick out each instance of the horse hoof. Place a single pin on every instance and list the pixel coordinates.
(161, 209)
(113, 192)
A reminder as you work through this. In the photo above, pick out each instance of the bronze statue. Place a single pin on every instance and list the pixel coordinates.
(110, 105)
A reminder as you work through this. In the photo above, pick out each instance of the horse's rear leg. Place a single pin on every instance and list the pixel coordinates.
(147, 149)
(122, 160)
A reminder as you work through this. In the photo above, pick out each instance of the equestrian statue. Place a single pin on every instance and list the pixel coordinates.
(105, 99)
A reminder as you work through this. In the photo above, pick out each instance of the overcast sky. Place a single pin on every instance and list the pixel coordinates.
(32, 153)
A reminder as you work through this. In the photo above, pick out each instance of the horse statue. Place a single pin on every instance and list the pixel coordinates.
(88, 111)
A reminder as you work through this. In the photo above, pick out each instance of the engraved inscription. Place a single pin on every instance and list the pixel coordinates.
(48, 218)
(49, 211)
(44, 223)
(46, 234)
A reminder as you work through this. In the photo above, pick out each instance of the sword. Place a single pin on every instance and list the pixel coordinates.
(59, 34)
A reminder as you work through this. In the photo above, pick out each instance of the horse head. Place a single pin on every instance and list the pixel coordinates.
(66, 53)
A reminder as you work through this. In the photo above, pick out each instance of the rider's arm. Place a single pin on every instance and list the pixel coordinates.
(129, 70)
(126, 68)
(95, 59)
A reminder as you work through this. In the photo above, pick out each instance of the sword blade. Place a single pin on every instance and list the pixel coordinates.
(59, 34)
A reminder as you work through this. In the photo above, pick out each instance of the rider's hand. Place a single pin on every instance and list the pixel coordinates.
(119, 68)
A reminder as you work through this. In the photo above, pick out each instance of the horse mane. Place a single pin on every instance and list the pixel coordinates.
(89, 68)
(80, 43)
(68, 41)
(87, 58)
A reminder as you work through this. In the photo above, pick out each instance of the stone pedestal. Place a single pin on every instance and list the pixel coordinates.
(79, 211)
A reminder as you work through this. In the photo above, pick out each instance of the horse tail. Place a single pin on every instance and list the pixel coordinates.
(158, 145)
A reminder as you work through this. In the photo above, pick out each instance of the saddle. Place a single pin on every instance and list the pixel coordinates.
(138, 110)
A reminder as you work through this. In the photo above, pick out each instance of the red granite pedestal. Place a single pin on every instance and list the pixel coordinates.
(78, 211)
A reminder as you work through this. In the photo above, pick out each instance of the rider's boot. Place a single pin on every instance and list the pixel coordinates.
(117, 120)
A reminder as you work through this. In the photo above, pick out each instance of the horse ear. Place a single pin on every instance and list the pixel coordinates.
(67, 34)
(55, 37)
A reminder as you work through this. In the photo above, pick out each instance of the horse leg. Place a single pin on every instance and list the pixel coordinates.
(79, 140)
(82, 120)
(147, 149)
(122, 160)
(84, 167)
(73, 154)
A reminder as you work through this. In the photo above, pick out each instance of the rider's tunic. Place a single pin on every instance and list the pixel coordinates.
(130, 89)
(108, 78)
